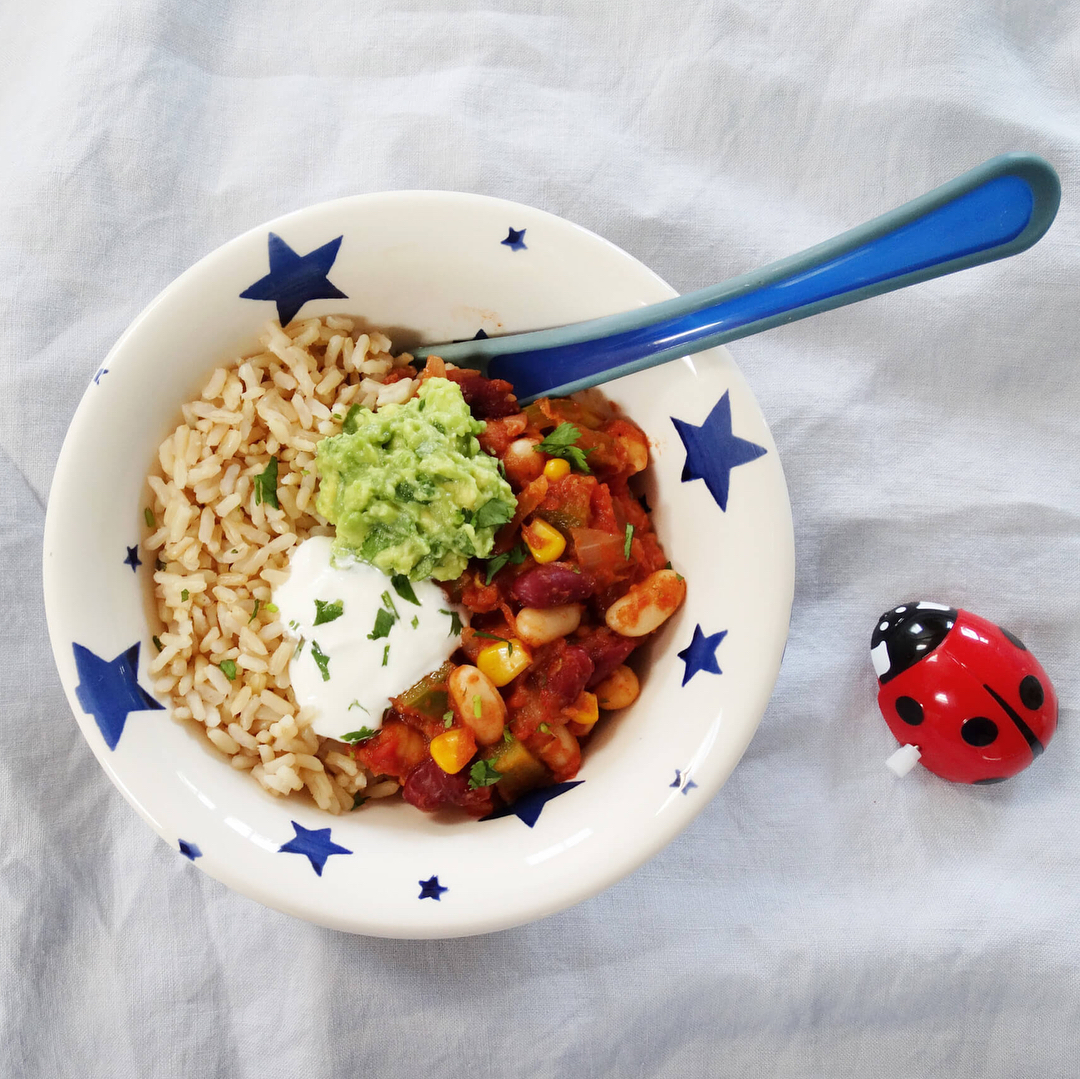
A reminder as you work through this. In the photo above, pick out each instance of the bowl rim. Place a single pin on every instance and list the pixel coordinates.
(617, 867)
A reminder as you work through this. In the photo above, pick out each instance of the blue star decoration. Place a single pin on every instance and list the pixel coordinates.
(431, 889)
(529, 806)
(515, 240)
(109, 690)
(480, 335)
(101, 371)
(686, 783)
(315, 844)
(294, 279)
(700, 654)
(189, 850)
(133, 559)
(712, 450)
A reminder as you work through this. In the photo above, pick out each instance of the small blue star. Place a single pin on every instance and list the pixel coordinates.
(101, 371)
(431, 889)
(189, 850)
(109, 689)
(687, 784)
(480, 335)
(315, 844)
(294, 279)
(514, 240)
(712, 451)
(133, 559)
(529, 806)
(700, 654)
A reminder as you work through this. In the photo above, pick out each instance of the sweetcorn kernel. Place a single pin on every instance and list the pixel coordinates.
(502, 663)
(452, 750)
(545, 542)
(556, 468)
(584, 710)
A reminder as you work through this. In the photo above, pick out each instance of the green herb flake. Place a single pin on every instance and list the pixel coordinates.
(383, 621)
(266, 485)
(388, 603)
(667, 565)
(483, 774)
(325, 611)
(148, 517)
(493, 513)
(293, 624)
(545, 729)
(679, 577)
(491, 636)
(403, 587)
(415, 621)
(507, 736)
(272, 608)
(386, 655)
(628, 541)
(228, 668)
(455, 622)
(157, 643)
(357, 704)
(477, 706)
(322, 660)
(158, 564)
(448, 719)
(185, 595)
(255, 612)
(362, 735)
(349, 425)
(300, 646)
(358, 800)
(561, 443)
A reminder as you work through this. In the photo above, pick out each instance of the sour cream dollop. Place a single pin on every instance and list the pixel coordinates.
(343, 671)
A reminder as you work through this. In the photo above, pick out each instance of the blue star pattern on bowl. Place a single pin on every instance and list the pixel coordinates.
(315, 844)
(294, 279)
(109, 690)
(683, 781)
(529, 806)
(515, 240)
(700, 654)
(432, 889)
(100, 371)
(133, 560)
(189, 850)
(712, 450)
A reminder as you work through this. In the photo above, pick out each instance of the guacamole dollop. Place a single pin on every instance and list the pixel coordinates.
(408, 488)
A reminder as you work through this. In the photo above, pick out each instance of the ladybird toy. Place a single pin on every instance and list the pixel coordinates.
(963, 696)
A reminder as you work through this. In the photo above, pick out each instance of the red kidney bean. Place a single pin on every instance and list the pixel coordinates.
(607, 650)
(428, 787)
(551, 585)
(487, 398)
(568, 674)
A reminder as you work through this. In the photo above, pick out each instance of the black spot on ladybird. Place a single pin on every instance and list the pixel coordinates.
(909, 710)
(978, 731)
(1031, 692)
(1013, 639)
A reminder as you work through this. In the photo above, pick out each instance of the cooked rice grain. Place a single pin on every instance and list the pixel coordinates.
(224, 551)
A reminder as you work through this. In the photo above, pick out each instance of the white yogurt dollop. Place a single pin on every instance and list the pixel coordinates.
(353, 685)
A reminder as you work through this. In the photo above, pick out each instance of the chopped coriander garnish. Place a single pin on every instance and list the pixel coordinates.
(357, 704)
(293, 624)
(327, 611)
(516, 555)
(491, 636)
(322, 660)
(483, 774)
(507, 736)
(455, 622)
(272, 608)
(358, 800)
(545, 729)
(448, 719)
(477, 706)
(158, 564)
(266, 485)
(679, 577)
(148, 517)
(403, 587)
(385, 655)
(349, 425)
(383, 621)
(157, 643)
(362, 735)
(493, 513)
(667, 565)
(255, 612)
(388, 603)
(300, 646)
(415, 621)
(560, 443)
(185, 595)
(228, 668)
(627, 541)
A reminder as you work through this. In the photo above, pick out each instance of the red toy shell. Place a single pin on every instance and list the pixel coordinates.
(969, 694)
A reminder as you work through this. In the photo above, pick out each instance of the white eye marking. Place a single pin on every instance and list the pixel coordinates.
(884, 626)
(899, 610)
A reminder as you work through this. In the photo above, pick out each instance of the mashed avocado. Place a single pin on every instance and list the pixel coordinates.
(409, 488)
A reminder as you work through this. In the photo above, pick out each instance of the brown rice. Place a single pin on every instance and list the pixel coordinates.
(220, 553)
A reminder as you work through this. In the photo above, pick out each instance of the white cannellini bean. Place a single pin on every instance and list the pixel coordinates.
(472, 692)
(618, 690)
(647, 605)
(537, 626)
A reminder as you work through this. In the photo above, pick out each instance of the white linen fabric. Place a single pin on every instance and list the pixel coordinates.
(820, 917)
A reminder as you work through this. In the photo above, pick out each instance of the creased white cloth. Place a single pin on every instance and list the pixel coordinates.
(820, 918)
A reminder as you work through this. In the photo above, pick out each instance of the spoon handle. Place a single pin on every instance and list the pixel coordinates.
(998, 209)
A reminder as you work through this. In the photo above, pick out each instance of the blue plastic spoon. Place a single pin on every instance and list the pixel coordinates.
(998, 209)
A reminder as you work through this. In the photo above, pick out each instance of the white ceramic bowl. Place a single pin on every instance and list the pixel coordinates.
(426, 266)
